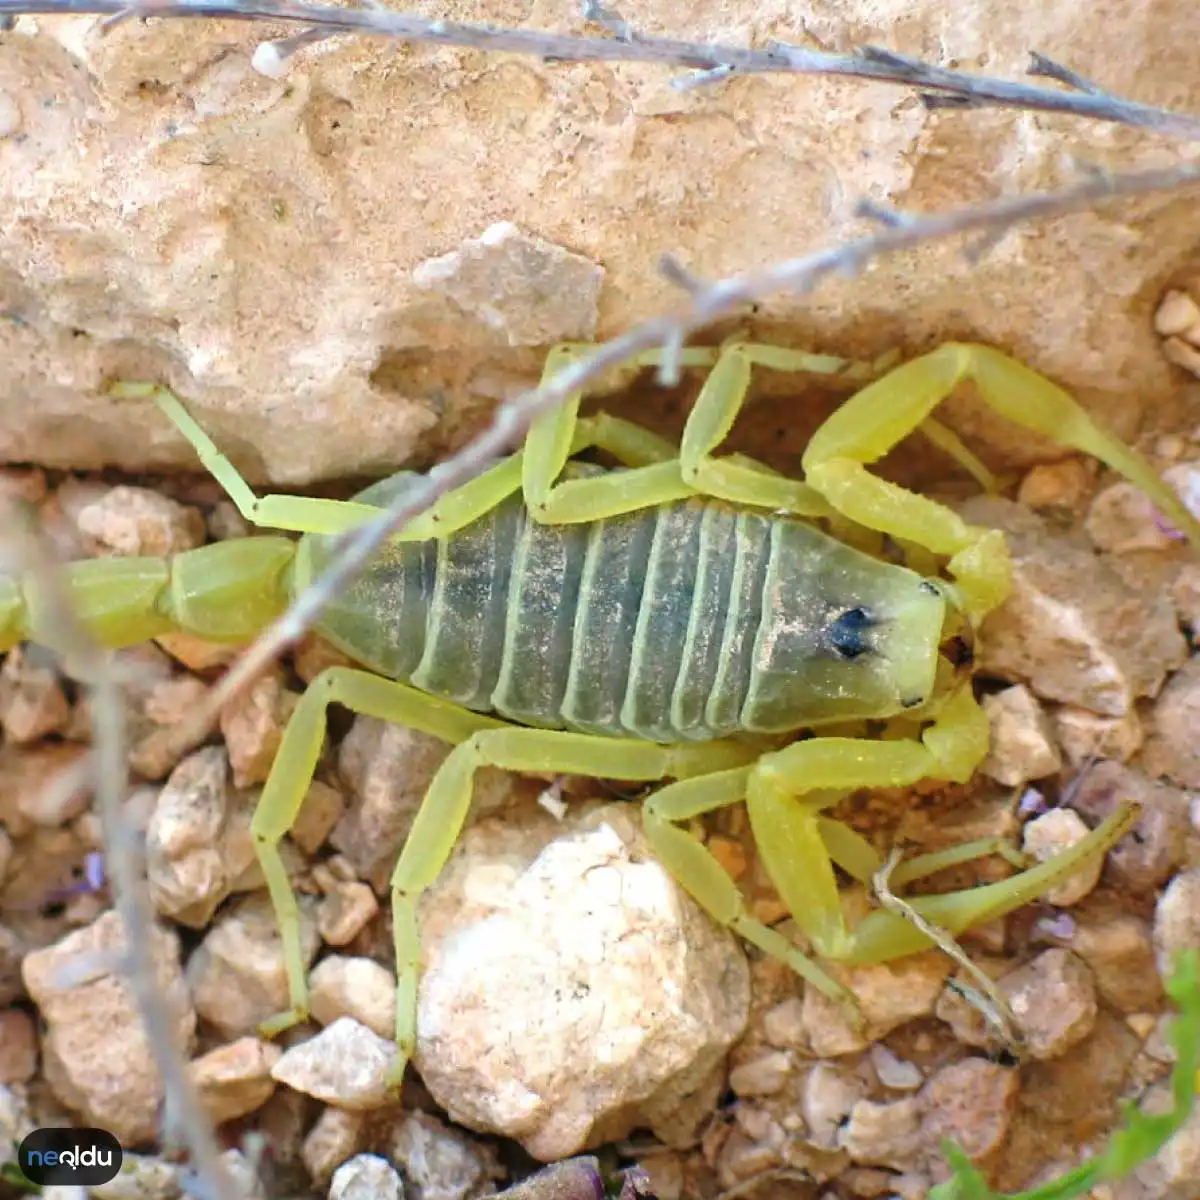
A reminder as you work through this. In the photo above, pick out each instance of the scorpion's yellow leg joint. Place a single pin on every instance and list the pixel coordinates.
(292, 772)
(734, 477)
(653, 477)
(440, 819)
(797, 844)
(299, 514)
(874, 420)
(694, 866)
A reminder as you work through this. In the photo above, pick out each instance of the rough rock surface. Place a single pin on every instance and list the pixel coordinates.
(589, 945)
(261, 244)
(98, 1059)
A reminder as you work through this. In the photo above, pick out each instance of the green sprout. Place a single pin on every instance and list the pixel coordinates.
(1142, 1135)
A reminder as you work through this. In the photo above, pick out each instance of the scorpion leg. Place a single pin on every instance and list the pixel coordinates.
(552, 440)
(796, 843)
(292, 772)
(440, 818)
(871, 422)
(694, 866)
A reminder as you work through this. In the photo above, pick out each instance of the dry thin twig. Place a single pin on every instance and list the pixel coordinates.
(941, 88)
(707, 303)
(123, 862)
(989, 1000)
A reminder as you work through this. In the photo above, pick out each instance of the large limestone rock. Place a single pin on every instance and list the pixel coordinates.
(313, 260)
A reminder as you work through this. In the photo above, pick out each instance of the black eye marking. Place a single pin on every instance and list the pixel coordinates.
(846, 633)
(912, 702)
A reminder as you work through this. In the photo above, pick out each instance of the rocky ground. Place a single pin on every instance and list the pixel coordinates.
(572, 997)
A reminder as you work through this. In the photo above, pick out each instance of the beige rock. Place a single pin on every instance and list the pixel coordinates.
(336, 1137)
(22, 485)
(197, 653)
(589, 945)
(827, 1098)
(198, 843)
(98, 1058)
(1117, 947)
(889, 994)
(354, 987)
(133, 520)
(1054, 1002)
(322, 809)
(18, 1046)
(1022, 743)
(32, 703)
(894, 1072)
(387, 770)
(1177, 315)
(366, 1177)
(191, 241)
(1082, 734)
(441, 1163)
(344, 912)
(252, 725)
(235, 1079)
(6, 853)
(1051, 834)
(1185, 591)
(1147, 855)
(41, 786)
(1172, 748)
(888, 1135)
(783, 1024)
(1123, 518)
(236, 975)
(16, 1123)
(243, 1175)
(764, 1075)
(1064, 484)
(1177, 918)
(970, 1102)
(1073, 629)
(345, 1064)
(503, 279)
(142, 1177)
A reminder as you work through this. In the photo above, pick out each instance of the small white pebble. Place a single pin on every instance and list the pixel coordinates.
(346, 1064)
(268, 60)
(551, 799)
(762, 1076)
(1176, 350)
(366, 1177)
(345, 911)
(894, 1072)
(1022, 744)
(1050, 834)
(1177, 313)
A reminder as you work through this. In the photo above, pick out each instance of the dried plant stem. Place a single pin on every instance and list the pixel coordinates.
(989, 1000)
(707, 302)
(123, 860)
(716, 62)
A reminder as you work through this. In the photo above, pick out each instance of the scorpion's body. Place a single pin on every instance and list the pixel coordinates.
(660, 623)
(688, 621)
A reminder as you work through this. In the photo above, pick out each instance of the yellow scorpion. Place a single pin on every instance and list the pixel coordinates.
(669, 619)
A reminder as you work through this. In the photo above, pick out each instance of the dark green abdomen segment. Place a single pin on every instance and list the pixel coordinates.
(688, 621)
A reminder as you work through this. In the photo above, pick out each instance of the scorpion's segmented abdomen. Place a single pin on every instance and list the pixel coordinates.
(688, 621)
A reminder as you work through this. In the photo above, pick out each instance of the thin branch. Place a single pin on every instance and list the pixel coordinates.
(94, 668)
(716, 61)
(706, 304)
(989, 1000)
